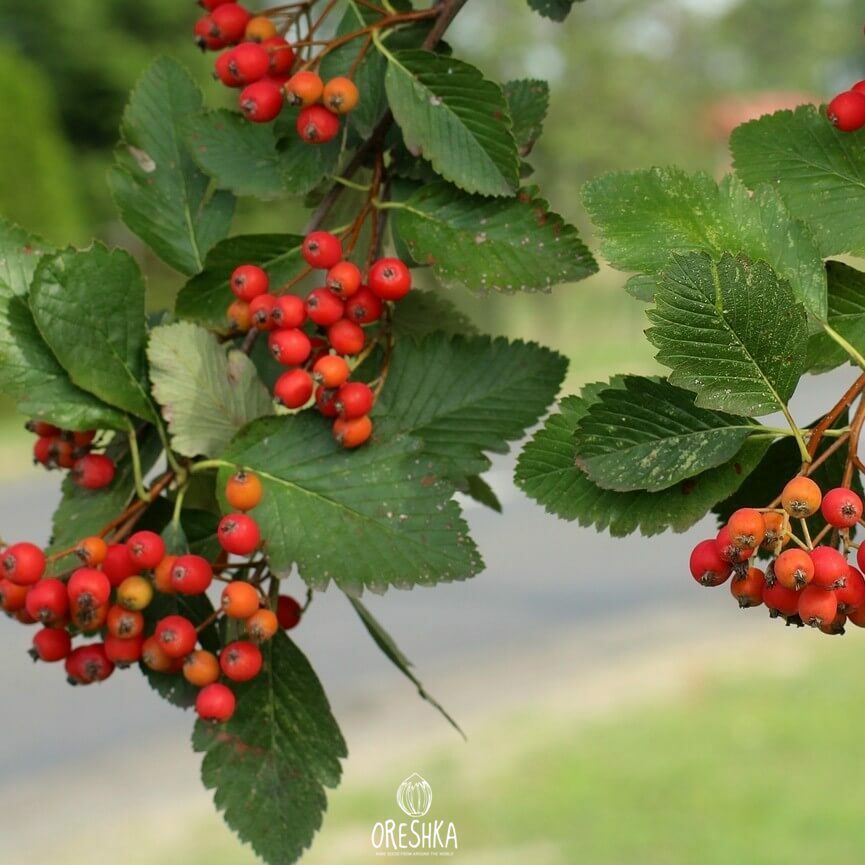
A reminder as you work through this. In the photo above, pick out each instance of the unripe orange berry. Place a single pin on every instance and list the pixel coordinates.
(304, 89)
(801, 497)
(201, 668)
(239, 316)
(92, 551)
(240, 600)
(135, 593)
(162, 576)
(154, 657)
(352, 433)
(776, 531)
(340, 95)
(260, 28)
(747, 527)
(243, 491)
(748, 590)
(794, 569)
(262, 625)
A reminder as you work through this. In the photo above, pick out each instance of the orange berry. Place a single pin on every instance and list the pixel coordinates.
(243, 491)
(240, 600)
(794, 569)
(776, 531)
(340, 95)
(304, 89)
(135, 593)
(747, 527)
(748, 590)
(154, 657)
(262, 625)
(260, 28)
(352, 433)
(239, 316)
(201, 668)
(801, 497)
(162, 576)
(92, 551)
(817, 606)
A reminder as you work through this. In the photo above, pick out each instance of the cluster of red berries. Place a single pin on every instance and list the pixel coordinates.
(260, 64)
(804, 584)
(107, 595)
(319, 369)
(64, 449)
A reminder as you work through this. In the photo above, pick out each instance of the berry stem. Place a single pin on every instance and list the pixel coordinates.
(807, 534)
(834, 335)
(135, 454)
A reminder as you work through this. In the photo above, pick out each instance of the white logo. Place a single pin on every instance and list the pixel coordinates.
(414, 796)
(417, 837)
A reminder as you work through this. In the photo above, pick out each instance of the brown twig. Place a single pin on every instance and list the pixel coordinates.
(838, 409)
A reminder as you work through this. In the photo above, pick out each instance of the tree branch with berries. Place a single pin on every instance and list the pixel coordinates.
(312, 405)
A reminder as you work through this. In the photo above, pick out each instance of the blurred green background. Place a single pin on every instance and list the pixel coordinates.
(634, 83)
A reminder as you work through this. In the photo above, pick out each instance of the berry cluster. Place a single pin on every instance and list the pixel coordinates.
(338, 311)
(260, 64)
(805, 584)
(64, 449)
(109, 594)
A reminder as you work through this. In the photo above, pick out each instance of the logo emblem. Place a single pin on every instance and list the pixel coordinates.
(414, 796)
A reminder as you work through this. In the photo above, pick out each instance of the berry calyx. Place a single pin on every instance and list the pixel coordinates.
(243, 491)
(215, 702)
(316, 125)
(176, 636)
(322, 250)
(93, 471)
(241, 661)
(294, 389)
(841, 508)
(801, 497)
(389, 279)
(240, 600)
(238, 534)
(146, 549)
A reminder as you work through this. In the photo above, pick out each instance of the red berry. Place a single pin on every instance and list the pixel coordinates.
(124, 651)
(124, 624)
(729, 550)
(48, 602)
(748, 590)
(830, 567)
(82, 439)
(248, 282)
(325, 401)
(118, 564)
(781, 600)
(324, 307)
(365, 307)
(176, 636)
(261, 309)
(331, 371)
(293, 389)
(344, 279)
(42, 429)
(322, 250)
(317, 125)
(63, 453)
(261, 102)
(390, 279)
(229, 21)
(241, 661)
(238, 534)
(88, 588)
(88, 664)
(205, 37)
(346, 337)
(223, 70)
(354, 399)
(191, 575)
(841, 508)
(707, 567)
(249, 62)
(146, 549)
(13, 597)
(22, 564)
(288, 612)
(215, 702)
(281, 55)
(851, 596)
(210, 5)
(352, 433)
(847, 111)
(817, 606)
(858, 87)
(794, 569)
(290, 347)
(93, 471)
(51, 645)
(289, 311)
(43, 451)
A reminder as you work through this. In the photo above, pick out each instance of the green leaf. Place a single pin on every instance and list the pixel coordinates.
(20, 253)
(206, 297)
(730, 331)
(270, 764)
(649, 435)
(456, 119)
(31, 375)
(89, 308)
(466, 395)
(547, 471)
(846, 317)
(271, 166)
(644, 217)
(514, 244)
(479, 490)
(387, 504)
(557, 10)
(82, 513)
(528, 102)
(421, 313)
(386, 643)
(819, 172)
(162, 195)
(207, 392)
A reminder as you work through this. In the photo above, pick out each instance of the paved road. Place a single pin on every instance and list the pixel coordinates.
(544, 578)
